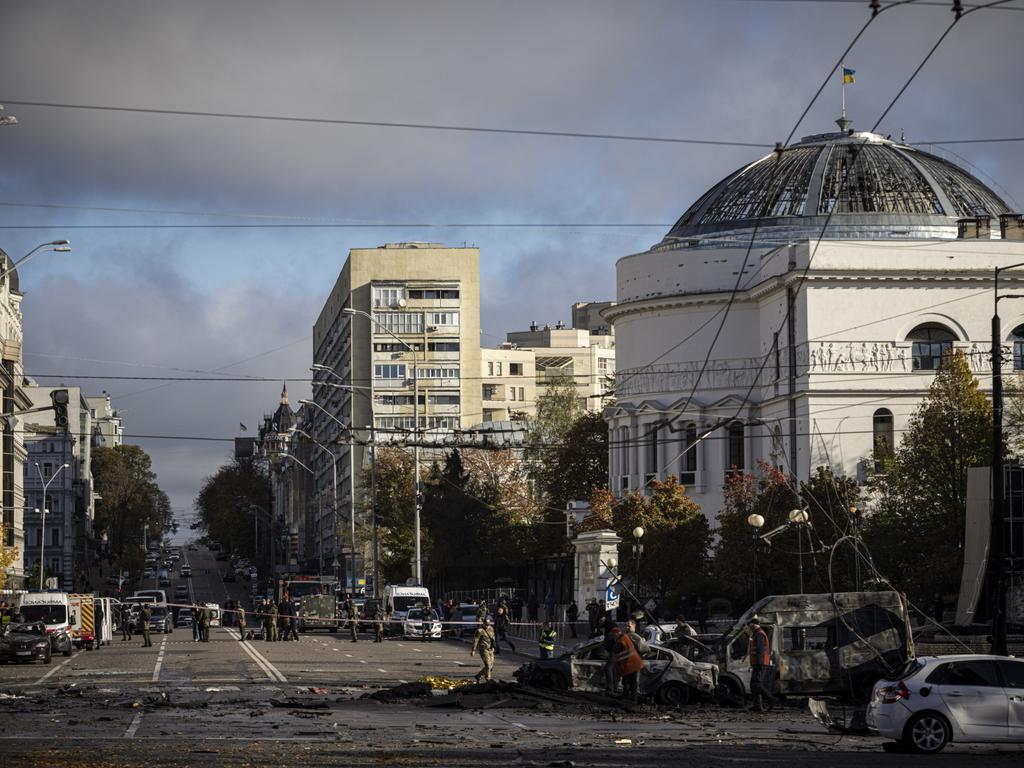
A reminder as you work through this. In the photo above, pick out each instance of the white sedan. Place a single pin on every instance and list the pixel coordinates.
(939, 699)
(422, 623)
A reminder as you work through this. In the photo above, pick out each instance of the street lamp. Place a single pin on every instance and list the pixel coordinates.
(334, 483)
(373, 459)
(638, 551)
(800, 517)
(42, 539)
(756, 522)
(418, 575)
(996, 564)
(57, 246)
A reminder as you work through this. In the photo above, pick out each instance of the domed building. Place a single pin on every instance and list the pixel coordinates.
(844, 267)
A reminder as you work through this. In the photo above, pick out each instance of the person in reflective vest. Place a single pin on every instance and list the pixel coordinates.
(627, 663)
(759, 651)
(548, 636)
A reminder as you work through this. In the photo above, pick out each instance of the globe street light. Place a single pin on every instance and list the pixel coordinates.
(800, 518)
(756, 522)
(638, 551)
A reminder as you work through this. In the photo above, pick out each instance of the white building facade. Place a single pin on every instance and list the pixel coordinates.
(835, 274)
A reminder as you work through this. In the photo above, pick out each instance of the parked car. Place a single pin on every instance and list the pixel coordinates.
(667, 676)
(149, 573)
(181, 592)
(160, 619)
(423, 623)
(939, 699)
(464, 619)
(184, 617)
(186, 571)
(25, 642)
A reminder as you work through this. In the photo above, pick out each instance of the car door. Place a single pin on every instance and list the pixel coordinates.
(588, 668)
(974, 696)
(1013, 684)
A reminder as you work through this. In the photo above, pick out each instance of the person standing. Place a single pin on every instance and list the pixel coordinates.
(241, 623)
(378, 625)
(126, 622)
(760, 657)
(572, 614)
(500, 626)
(627, 664)
(548, 636)
(592, 615)
(486, 642)
(195, 622)
(268, 633)
(702, 615)
(144, 617)
(205, 617)
(353, 618)
(272, 612)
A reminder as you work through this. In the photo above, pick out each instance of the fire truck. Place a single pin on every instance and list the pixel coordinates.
(314, 600)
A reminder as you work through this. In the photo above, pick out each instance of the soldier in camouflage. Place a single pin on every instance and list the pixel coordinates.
(486, 641)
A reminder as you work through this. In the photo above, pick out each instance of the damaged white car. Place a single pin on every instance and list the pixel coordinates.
(667, 676)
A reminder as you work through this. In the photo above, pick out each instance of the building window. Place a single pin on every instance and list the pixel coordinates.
(387, 295)
(47, 469)
(931, 342)
(688, 468)
(497, 368)
(389, 371)
(400, 322)
(394, 346)
(443, 346)
(443, 318)
(735, 444)
(1017, 337)
(511, 393)
(427, 293)
(444, 399)
(55, 537)
(438, 373)
(651, 450)
(515, 369)
(490, 367)
(490, 390)
(882, 432)
(522, 393)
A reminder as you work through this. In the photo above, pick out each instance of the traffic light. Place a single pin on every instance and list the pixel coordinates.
(60, 399)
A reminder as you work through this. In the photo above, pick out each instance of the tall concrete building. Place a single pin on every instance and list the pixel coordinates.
(424, 299)
(508, 383)
(12, 450)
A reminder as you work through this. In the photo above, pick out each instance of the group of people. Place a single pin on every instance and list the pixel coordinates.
(278, 619)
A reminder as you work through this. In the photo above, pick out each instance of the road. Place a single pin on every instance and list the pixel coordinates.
(182, 703)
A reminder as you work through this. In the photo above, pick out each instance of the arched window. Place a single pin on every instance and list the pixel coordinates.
(882, 432)
(931, 343)
(735, 446)
(1017, 337)
(688, 467)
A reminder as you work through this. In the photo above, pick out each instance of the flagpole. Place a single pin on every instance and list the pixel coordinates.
(842, 85)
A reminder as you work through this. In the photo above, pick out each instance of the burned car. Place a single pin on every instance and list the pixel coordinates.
(667, 676)
(835, 645)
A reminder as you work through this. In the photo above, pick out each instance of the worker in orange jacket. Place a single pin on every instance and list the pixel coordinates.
(759, 652)
(627, 663)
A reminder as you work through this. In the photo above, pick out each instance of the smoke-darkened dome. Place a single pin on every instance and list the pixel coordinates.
(848, 186)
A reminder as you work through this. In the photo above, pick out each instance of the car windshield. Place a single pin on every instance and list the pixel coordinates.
(51, 614)
(415, 614)
(28, 629)
(297, 589)
(405, 602)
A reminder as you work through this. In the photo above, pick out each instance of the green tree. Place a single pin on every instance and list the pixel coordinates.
(225, 502)
(396, 493)
(676, 541)
(916, 532)
(131, 506)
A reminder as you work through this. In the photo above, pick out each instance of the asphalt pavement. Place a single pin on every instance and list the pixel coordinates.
(256, 703)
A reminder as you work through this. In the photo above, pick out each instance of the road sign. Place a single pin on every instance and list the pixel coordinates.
(611, 597)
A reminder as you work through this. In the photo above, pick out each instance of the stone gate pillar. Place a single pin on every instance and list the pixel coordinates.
(596, 553)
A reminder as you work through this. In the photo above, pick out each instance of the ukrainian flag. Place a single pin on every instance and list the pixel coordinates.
(848, 76)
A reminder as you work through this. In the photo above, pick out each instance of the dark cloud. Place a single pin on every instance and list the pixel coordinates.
(202, 299)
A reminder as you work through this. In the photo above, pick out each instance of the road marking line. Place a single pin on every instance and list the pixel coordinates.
(136, 722)
(347, 654)
(271, 671)
(159, 662)
(52, 671)
(382, 670)
(362, 661)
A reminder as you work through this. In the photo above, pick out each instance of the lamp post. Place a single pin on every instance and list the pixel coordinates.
(800, 518)
(638, 551)
(42, 539)
(57, 246)
(756, 522)
(418, 574)
(997, 554)
(373, 462)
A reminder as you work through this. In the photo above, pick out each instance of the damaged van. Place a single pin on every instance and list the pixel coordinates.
(828, 645)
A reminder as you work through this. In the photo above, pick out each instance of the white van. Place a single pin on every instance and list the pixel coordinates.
(398, 600)
(153, 596)
(51, 608)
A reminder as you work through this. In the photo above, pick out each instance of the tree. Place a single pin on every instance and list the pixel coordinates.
(131, 506)
(396, 493)
(828, 501)
(7, 555)
(676, 541)
(226, 504)
(916, 532)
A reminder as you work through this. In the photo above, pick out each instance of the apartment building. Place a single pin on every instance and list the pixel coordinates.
(402, 318)
(508, 383)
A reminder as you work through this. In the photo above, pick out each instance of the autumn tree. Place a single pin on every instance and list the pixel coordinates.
(396, 494)
(916, 532)
(8, 555)
(131, 505)
(225, 504)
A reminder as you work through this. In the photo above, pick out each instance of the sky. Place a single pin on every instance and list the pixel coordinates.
(148, 301)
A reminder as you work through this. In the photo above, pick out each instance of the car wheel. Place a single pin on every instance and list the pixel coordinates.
(729, 691)
(67, 651)
(674, 694)
(49, 658)
(926, 733)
